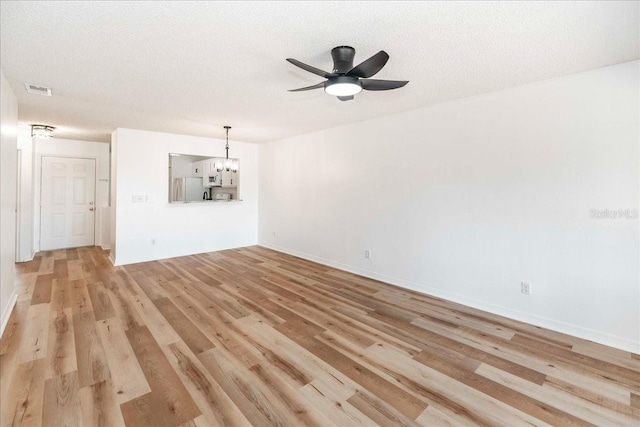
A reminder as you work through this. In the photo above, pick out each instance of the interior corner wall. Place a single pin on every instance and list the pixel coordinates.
(58, 147)
(8, 182)
(26, 199)
(157, 229)
(465, 200)
(113, 191)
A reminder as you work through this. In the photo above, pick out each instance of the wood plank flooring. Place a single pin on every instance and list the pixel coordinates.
(255, 337)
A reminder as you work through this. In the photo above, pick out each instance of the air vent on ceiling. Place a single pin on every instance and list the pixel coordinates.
(38, 90)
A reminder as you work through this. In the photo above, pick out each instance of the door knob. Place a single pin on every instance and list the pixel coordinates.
(91, 209)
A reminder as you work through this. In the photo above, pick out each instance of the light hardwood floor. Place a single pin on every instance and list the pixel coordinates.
(256, 337)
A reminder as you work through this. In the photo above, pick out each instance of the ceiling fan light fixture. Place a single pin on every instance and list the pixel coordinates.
(343, 86)
(42, 131)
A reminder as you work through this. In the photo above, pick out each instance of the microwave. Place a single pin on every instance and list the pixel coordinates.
(212, 180)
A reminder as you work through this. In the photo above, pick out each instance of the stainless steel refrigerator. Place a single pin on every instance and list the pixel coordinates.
(188, 190)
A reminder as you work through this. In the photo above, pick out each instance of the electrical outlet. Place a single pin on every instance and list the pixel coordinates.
(367, 254)
(525, 288)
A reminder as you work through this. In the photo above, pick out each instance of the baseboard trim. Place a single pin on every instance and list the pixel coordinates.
(27, 259)
(618, 342)
(112, 260)
(6, 311)
(154, 257)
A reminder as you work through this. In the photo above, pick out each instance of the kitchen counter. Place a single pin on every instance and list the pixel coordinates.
(200, 202)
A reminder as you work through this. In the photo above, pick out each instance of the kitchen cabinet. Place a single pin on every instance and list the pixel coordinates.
(211, 177)
(210, 166)
(229, 179)
(197, 168)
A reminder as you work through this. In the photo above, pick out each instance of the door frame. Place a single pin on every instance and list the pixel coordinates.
(38, 194)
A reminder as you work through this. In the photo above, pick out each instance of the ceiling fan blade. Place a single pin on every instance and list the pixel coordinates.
(371, 66)
(372, 84)
(318, 86)
(308, 68)
(345, 98)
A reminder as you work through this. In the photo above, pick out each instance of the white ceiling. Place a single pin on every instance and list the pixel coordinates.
(192, 67)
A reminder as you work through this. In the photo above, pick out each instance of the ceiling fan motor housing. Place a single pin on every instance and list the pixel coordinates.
(342, 59)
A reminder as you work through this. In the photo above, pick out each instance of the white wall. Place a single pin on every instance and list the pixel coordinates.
(26, 197)
(466, 199)
(8, 181)
(181, 166)
(113, 199)
(70, 148)
(141, 162)
(113, 202)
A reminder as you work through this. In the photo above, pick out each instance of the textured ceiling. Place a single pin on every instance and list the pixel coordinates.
(192, 67)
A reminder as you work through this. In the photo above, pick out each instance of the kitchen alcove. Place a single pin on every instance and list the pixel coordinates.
(203, 179)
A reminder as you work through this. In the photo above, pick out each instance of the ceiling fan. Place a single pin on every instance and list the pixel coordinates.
(345, 80)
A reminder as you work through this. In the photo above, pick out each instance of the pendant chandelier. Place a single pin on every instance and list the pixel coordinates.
(229, 164)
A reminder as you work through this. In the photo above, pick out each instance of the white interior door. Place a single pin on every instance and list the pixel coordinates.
(67, 203)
